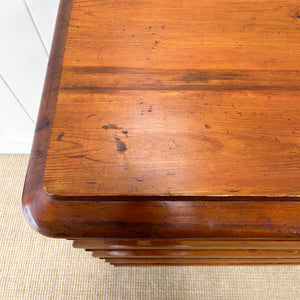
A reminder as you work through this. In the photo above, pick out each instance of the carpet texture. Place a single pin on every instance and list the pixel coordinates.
(36, 267)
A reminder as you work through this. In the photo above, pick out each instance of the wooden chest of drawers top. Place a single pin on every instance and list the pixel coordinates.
(170, 120)
(188, 98)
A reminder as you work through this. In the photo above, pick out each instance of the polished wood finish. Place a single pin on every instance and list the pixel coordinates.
(179, 244)
(187, 253)
(165, 98)
(170, 126)
(200, 261)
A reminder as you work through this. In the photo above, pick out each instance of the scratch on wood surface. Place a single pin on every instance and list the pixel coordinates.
(99, 53)
(92, 115)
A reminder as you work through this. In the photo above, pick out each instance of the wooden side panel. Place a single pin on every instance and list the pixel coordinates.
(200, 261)
(192, 252)
(137, 244)
(198, 253)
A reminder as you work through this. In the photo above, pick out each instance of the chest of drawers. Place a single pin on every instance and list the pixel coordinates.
(168, 132)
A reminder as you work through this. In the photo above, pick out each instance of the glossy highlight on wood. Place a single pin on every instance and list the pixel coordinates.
(168, 132)
(171, 99)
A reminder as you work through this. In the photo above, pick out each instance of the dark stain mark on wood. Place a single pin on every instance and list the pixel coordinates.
(138, 180)
(60, 136)
(39, 152)
(163, 27)
(171, 174)
(138, 232)
(296, 16)
(150, 108)
(152, 231)
(110, 126)
(43, 126)
(207, 126)
(50, 63)
(234, 191)
(124, 132)
(91, 182)
(76, 156)
(89, 116)
(121, 146)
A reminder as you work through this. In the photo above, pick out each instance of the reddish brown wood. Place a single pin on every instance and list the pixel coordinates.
(188, 253)
(181, 244)
(171, 179)
(214, 109)
(200, 261)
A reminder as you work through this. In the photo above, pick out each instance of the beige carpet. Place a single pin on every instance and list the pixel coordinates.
(35, 267)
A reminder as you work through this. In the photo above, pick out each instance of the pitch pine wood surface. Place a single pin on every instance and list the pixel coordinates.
(133, 140)
(180, 98)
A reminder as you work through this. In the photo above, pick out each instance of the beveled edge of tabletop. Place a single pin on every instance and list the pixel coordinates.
(146, 217)
(34, 195)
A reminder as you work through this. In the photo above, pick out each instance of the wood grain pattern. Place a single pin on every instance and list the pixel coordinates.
(111, 180)
(186, 98)
(198, 261)
(191, 251)
(183, 244)
(187, 253)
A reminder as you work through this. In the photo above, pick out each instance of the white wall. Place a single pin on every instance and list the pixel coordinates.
(26, 29)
